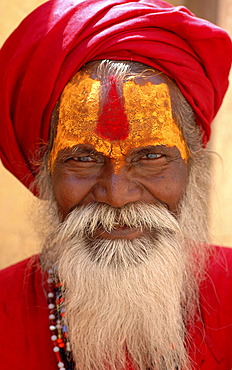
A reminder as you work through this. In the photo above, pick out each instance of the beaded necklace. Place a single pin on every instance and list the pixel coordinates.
(57, 323)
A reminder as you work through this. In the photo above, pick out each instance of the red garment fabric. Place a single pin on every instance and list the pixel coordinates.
(58, 38)
(25, 340)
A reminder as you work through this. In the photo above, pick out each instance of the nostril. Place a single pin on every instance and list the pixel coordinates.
(116, 190)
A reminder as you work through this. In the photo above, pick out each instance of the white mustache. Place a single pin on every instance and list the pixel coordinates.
(86, 219)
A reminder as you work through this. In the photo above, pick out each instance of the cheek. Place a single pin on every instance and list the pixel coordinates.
(170, 187)
(69, 192)
(176, 187)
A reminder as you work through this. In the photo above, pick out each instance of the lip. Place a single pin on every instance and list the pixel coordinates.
(119, 233)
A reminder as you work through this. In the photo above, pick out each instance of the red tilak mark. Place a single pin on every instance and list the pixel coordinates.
(112, 122)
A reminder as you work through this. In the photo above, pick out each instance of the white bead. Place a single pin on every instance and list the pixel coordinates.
(52, 327)
(50, 280)
(50, 295)
(58, 326)
(51, 306)
(56, 349)
(50, 271)
(68, 347)
(52, 317)
(60, 364)
(53, 337)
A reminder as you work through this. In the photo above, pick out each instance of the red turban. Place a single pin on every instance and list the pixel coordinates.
(59, 37)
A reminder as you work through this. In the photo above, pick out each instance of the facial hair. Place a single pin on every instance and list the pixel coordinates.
(131, 299)
(123, 298)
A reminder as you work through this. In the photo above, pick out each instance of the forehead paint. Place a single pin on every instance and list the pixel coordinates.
(112, 122)
(146, 107)
(149, 111)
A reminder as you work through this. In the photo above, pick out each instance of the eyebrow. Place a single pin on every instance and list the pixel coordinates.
(149, 147)
(88, 149)
(79, 149)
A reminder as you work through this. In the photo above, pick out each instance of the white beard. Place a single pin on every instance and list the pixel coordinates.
(131, 298)
(124, 296)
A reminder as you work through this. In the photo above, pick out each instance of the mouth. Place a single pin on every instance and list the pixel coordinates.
(118, 231)
(120, 226)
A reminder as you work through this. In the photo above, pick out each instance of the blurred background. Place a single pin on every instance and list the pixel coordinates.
(17, 237)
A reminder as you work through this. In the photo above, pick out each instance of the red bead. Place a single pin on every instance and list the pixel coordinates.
(58, 357)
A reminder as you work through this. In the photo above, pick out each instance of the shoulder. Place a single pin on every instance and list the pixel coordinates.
(218, 281)
(9, 274)
(220, 266)
(217, 287)
(24, 317)
(212, 332)
(19, 279)
(18, 268)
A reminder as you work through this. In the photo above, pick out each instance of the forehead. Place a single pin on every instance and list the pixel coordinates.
(112, 114)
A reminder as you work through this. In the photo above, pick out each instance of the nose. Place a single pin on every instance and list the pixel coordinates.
(117, 189)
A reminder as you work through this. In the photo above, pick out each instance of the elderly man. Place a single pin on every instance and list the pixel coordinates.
(106, 110)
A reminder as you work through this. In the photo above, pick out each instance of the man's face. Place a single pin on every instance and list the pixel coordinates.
(119, 168)
(117, 146)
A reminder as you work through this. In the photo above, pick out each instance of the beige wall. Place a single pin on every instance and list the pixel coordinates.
(221, 196)
(17, 240)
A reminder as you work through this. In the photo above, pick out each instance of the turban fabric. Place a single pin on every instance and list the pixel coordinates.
(60, 36)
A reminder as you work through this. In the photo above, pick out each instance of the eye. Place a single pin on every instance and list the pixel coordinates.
(84, 158)
(152, 156)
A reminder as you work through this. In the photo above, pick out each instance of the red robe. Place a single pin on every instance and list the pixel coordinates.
(25, 342)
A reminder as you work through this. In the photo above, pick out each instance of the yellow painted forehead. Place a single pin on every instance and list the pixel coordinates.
(139, 115)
